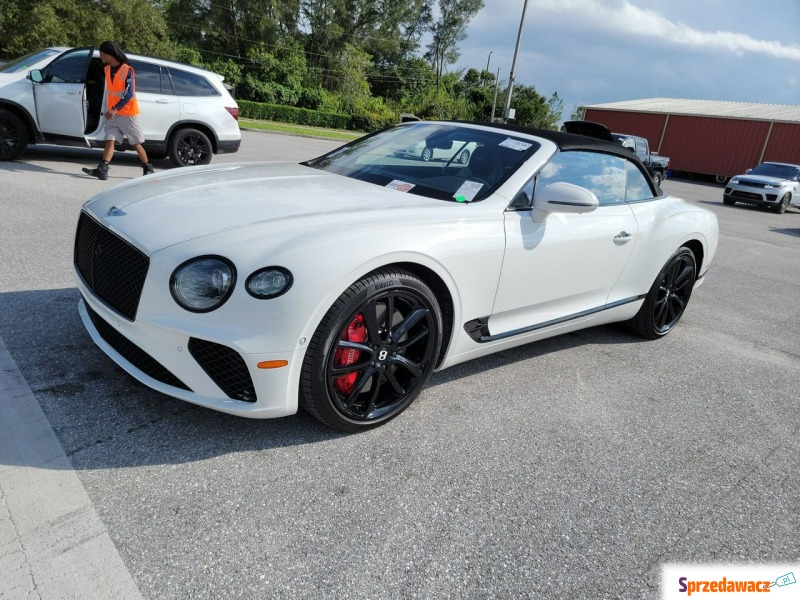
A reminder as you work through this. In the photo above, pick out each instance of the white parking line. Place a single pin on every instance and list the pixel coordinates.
(53, 545)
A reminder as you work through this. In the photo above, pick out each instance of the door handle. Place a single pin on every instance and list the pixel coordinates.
(623, 237)
(73, 93)
(162, 101)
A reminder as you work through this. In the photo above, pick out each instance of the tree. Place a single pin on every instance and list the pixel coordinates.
(230, 28)
(534, 110)
(577, 113)
(29, 25)
(275, 77)
(448, 31)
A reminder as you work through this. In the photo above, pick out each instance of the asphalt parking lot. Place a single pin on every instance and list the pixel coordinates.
(572, 468)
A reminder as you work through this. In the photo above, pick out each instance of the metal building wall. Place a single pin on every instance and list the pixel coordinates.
(646, 125)
(714, 146)
(709, 145)
(784, 143)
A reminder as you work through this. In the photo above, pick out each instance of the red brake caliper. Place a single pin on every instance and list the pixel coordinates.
(355, 332)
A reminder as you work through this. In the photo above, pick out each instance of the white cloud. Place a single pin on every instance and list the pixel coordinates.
(625, 17)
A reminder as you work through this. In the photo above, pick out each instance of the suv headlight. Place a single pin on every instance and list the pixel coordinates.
(734, 181)
(269, 282)
(773, 186)
(203, 284)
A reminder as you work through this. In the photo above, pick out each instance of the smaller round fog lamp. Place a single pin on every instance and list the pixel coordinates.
(269, 282)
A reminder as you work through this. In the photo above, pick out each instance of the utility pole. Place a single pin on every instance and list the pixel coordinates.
(487, 67)
(514, 63)
(496, 86)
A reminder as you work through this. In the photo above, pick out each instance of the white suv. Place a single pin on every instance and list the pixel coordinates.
(56, 96)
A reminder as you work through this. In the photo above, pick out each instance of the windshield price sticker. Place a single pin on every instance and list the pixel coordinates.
(400, 186)
(468, 190)
(515, 144)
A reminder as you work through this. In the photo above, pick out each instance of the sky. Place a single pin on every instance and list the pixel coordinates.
(598, 51)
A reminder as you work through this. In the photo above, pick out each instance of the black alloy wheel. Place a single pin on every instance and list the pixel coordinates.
(373, 352)
(13, 136)
(667, 299)
(190, 147)
(463, 158)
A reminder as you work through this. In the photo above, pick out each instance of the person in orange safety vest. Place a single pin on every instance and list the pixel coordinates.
(122, 109)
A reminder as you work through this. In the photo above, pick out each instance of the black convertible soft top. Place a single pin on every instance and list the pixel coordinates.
(565, 141)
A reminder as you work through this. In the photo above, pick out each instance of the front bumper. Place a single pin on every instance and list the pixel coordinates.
(753, 195)
(168, 361)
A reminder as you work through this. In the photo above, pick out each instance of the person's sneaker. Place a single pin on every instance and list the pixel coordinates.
(101, 172)
(147, 169)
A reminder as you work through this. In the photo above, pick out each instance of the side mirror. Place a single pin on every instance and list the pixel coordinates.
(562, 197)
(747, 170)
(35, 76)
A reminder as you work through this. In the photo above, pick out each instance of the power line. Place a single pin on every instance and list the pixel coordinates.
(280, 48)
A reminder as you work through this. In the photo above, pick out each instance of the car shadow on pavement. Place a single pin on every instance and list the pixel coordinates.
(793, 231)
(105, 419)
(74, 158)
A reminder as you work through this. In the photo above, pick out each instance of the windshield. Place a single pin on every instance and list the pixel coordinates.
(444, 161)
(26, 62)
(775, 170)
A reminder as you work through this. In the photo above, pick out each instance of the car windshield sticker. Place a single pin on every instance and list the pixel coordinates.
(468, 191)
(400, 186)
(515, 144)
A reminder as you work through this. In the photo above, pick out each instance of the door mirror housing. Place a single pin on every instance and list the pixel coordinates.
(562, 197)
(35, 75)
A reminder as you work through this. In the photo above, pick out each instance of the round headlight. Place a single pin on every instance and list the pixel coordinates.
(269, 282)
(203, 284)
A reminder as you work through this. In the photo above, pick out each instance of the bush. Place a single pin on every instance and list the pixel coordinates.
(369, 123)
(290, 114)
(311, 98)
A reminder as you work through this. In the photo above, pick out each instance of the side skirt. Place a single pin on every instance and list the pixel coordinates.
(478, 329)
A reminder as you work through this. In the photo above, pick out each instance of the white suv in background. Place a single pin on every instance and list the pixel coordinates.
(56, 96)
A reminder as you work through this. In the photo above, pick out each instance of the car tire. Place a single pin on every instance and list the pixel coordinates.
(657, 178)
(427, 154)
(668, 297)
(13, 136)
(463, 158)
(721, 179)
(189, 147)
(357, 372)
(781, 206)
(728, 201)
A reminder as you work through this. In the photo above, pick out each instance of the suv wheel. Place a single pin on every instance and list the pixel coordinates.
(781, 206)
(657, 177)
(190, 147)
(13, 135)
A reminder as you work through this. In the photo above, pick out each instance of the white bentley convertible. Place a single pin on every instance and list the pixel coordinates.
(340, 284)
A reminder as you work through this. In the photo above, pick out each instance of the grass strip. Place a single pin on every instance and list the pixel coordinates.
(318, 132)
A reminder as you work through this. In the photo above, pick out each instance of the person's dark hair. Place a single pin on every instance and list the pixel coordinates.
(113, 49)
